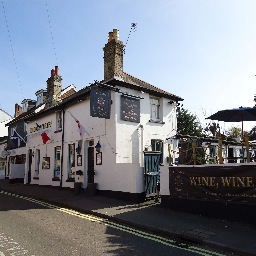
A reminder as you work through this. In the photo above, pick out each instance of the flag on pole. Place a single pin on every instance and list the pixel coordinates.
(81, 129)
(44, 135)
(17, 136)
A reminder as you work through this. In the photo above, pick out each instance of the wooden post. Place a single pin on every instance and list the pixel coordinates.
(246, 140)
(169, 151)
(220, 151)
(194, 151)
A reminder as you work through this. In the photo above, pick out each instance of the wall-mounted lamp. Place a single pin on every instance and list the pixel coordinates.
(78, 149)
(98, 146)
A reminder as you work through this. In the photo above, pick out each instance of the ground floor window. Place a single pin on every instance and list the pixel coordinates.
(37, 162)
(20, 159)
(2, 164)
(71, 160)
(57, 155)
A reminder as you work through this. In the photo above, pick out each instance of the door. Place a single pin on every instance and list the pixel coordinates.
(231, 155)
(90, 162)
(151, 168)
(29, 165)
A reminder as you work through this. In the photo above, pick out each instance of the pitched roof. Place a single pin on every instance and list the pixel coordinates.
(130, 81)
(65, 94)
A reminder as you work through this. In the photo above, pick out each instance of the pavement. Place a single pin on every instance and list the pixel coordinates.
(228, 236)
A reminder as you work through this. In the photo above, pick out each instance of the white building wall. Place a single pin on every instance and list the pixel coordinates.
(133, 138)
(122, 145)
(17, 171)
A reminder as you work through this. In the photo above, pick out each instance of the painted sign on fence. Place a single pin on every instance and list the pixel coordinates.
(222, 183)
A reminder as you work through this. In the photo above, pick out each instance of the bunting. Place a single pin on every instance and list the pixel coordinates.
(81, 129)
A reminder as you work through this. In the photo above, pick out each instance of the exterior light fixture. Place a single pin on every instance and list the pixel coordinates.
(98, 147)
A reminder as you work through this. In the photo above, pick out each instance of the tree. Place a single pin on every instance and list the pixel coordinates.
(212, 129)
(187, 123)
(252, 133)
(234, 132)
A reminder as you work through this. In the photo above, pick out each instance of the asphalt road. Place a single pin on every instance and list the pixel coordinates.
(31, 227)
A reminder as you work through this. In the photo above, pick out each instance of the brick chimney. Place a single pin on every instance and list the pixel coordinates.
(113, 56)
(18, 110)
(54, 87)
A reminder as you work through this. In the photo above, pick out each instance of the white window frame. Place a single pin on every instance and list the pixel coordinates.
(57, 161)
(155, 109)
(58, 121)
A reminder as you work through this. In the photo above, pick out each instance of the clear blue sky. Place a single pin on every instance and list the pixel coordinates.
(201, 50)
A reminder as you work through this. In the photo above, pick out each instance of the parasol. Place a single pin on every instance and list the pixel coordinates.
(240, 114)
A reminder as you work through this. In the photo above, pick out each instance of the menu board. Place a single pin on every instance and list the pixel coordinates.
(130, 109)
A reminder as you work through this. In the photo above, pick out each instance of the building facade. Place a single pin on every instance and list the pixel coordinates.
(98, 136)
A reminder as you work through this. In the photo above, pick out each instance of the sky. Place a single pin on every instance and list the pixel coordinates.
(201, 50)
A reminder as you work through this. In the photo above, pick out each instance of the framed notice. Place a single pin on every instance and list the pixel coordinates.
(46, 163)
(99, 158)
(79, 160)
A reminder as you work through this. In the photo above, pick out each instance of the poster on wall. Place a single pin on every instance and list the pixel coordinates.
(130, 109)
(100, 102)
(46, 163)
(99, 158)
(79, 160)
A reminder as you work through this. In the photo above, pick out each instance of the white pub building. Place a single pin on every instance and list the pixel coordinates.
(97, 137)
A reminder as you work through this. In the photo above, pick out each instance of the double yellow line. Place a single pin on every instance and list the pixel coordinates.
(133, 231)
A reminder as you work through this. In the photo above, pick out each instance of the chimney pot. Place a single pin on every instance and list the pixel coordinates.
(52, 72)
(110, 36)
(56, 70)
(116, 34)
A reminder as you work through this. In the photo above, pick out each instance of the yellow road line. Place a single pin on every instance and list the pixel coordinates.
(107, 222)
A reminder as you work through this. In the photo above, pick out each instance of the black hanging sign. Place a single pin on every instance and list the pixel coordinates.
(100, 102)
(130, 109)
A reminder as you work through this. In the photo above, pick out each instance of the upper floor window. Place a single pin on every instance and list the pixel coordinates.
(39, 100)
(154, 109)
(58, 121)
(12, 130)
(40, 97)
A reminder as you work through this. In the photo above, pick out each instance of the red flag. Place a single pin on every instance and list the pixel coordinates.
(44, 135)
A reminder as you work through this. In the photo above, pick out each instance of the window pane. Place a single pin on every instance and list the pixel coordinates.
(57, 162)
(71, 160)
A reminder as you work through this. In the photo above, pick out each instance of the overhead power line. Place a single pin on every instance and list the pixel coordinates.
(50, 26)
(12, 49)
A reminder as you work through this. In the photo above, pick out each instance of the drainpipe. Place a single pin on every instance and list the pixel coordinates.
(142, 144)
(62, 148)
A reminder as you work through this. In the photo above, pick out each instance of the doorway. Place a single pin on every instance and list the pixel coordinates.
(29, 165)
(90, 161)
